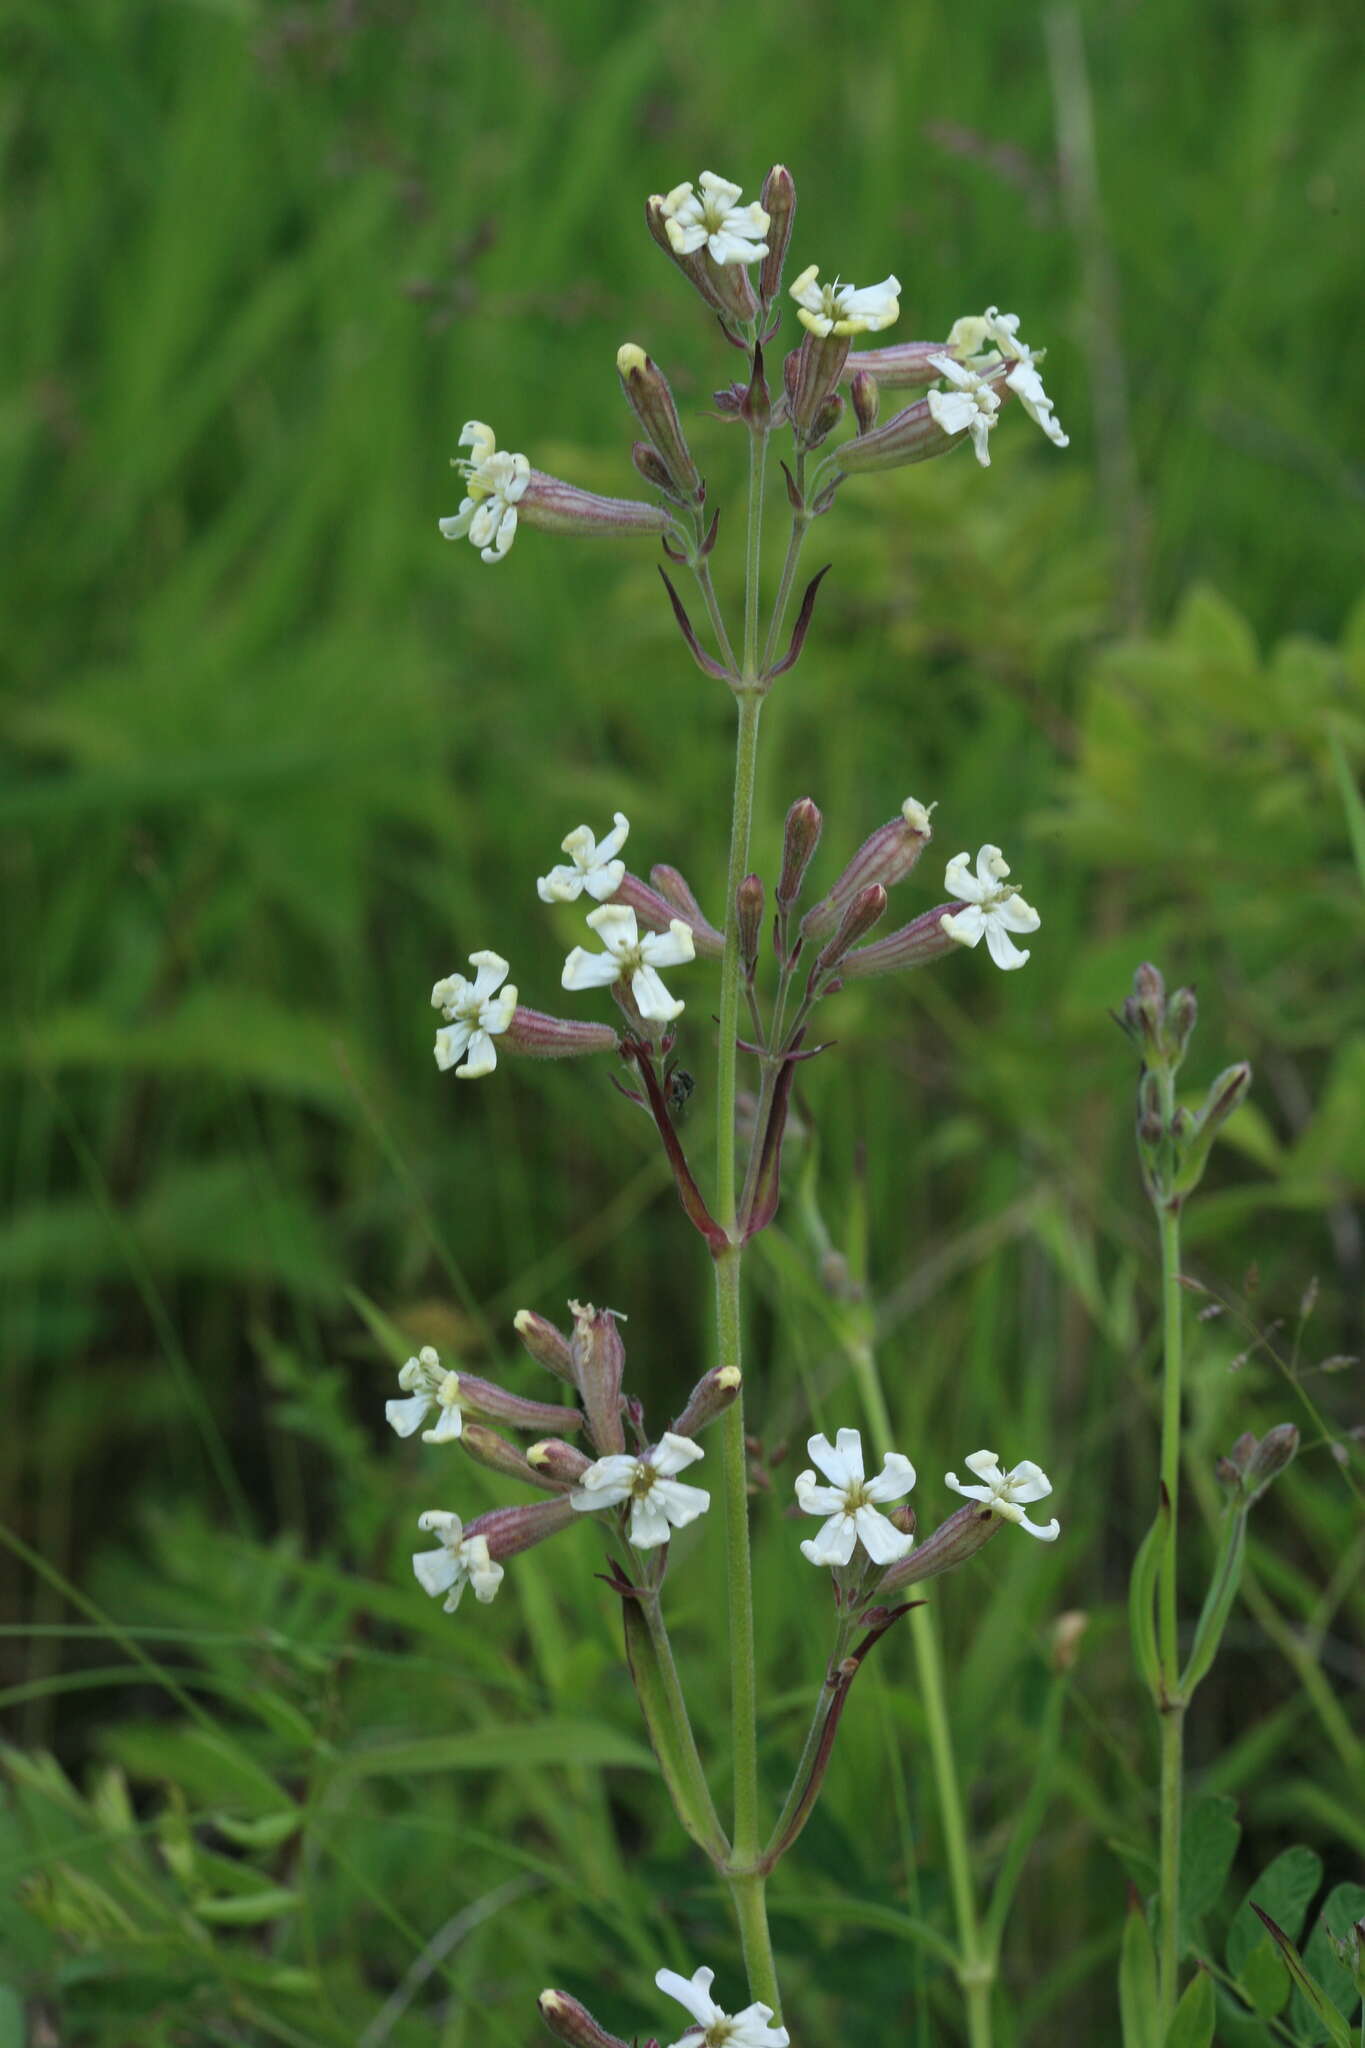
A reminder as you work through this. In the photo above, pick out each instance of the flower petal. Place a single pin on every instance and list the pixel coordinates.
(1000, 945)
(882, 1541)
(452, 1043)
(1047, 1534)
(681, 1504)
(693, 1996)
(967, 925)
(818, 1500)
(481, 1059)
(835, 1543)
(671, 948)
(436, 1570)
(672, 1453)
(615, 925)
(407, 1416)
(652, 999)
(589, 970)
(448, 1430)
(894, 1481)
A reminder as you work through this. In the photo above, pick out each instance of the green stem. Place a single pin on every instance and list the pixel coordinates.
(823, 1708)
(1168, 1641)
(758, 461)
(711, 1835)
(701, 569)
(795, 543)
(976, 1970)
(751, 1910)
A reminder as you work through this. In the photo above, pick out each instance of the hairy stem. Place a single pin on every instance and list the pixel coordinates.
(1168, 1643)
(795, 543)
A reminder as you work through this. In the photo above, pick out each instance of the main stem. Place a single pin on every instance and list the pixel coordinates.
(747, 1888)
(1172, 1707)
(976, 1968)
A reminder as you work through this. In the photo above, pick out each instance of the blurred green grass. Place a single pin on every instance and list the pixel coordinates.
(276, 757)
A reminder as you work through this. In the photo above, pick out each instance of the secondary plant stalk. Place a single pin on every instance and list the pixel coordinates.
(1172, 1707)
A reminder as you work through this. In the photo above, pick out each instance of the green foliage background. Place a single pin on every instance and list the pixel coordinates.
(275, 758)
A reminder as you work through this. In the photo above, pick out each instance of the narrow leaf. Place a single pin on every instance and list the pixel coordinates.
(1139, 2006)
(685, 627)
(1213, 1618)
(802, 626)
(1193, 2020)
(1142, 1599)
(1312, 1993)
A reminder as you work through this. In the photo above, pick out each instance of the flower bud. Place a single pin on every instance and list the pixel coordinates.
(571, 2022)
(599, 1362)
(866, 909)
(749, 912)
(1144, 1011)
(778, 200)
(711, 1396)
(537, 1036)
(547, 1345)
(486, 1447)
(1276, 1449)
(912, 435)
(558, 507)
(649, 397)
(914, 945)
(656, 912)
(863, 395)
(509, 1531)
(799, 842)
(554, 1460)
(905, 365)
(904, 1518)
(482, 1397)
(951, 1544)
(653, 470)
(677, 890)
(811, 375)
(1182, 1013)
(1151, 1114)
(1227, 1094)
(886, 856)
(1232, 1469)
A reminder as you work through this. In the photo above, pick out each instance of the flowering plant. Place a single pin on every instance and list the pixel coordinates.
(597, 1459)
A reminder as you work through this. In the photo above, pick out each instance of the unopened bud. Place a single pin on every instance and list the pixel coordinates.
(555, 1461)
(571, 2022)
(539, 1037)
(749, 913)
(1151, 1114)
(711, 1396)
(509, 1531)
(652, 469)
(904, 1518)
(657, 914)
(1182, 1014)
(886, 856)
(867, 908)
(1227, 1094)
(778, 200)
(799, 842)
(863, 395)
(905, 365)
(558, 507)
(1239, 1457)
(1276, 1449)
(599, 1363)
(811, 375)
(951, 1544)
(547, 1345)
(914, 945)
(1144, 1012)
(486, 1447)
(649, 397)
(483, 1397)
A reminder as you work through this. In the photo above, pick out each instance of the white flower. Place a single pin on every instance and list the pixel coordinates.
(427, 1387)
(594, 868)
(459, 1562)
(751, 2028)
(1005, 1492)
(493, 482)
(995, 907)
(970, 407)
(630, 956)
(732, 233)
(1001, 330)
(477, 1015)
(843, 308)
(659, 1502)
(849, 1500)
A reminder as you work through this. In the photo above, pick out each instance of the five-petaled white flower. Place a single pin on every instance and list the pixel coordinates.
(428, 1386)
(630, 957)
(477, 1014)
(1001, 331)
(732, 233)
(752, 2028)
(461, 1561)
(659, 1502)
(493, 484)
(843, 308)
(850, 1501)
(994, 906)
(1005, 1493)
(594, 868)
(970, 407)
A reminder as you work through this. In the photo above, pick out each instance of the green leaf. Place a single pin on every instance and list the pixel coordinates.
(1284, 1891)
(11, 2018)
(1139, 2007)
(248, 1909)
(1142, 1598)
(1306, 1985)
(1213, 1618)
(1345, 1905)
(1208, 1843)
(1193, 2019)
(501, 1748)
